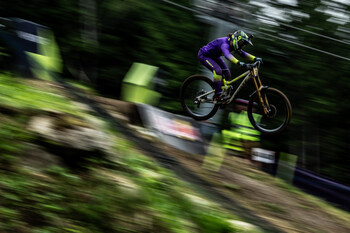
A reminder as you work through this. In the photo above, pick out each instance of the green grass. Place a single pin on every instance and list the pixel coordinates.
(125, 191)
(57, 199)
(16, 93)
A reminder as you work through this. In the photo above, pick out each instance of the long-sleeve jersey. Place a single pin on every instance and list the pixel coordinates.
(221, 47)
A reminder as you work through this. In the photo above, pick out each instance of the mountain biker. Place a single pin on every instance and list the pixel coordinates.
(210, 56)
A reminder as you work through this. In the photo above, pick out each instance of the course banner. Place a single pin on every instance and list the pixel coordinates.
(178, 131)
(263, 155)
(32, 46)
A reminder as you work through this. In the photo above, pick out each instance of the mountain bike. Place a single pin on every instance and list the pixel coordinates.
(269, 110)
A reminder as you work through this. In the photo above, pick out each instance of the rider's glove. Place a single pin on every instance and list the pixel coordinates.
(258, 59)
(242, 64)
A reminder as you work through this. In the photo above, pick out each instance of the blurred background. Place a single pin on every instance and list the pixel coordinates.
(305, 46)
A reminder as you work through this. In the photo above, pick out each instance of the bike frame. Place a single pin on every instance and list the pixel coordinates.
(250, 74)
(247, 76)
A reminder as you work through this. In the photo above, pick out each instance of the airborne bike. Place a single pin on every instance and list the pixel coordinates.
(269, 110)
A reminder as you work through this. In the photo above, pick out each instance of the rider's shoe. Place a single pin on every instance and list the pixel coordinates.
(222, 97)
(219, 97)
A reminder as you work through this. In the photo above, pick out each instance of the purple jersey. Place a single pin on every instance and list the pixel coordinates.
(221, 47)
(217, 48)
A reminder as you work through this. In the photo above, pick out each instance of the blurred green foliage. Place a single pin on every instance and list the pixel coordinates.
(158, 34)
(99, 41)
(18, 95)
(126, 193)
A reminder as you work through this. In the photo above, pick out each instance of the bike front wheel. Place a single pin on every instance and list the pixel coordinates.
(279, 111)
(196, 95)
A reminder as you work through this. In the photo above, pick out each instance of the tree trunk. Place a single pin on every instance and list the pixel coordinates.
(89, 35)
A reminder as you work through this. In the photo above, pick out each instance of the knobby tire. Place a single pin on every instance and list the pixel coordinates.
(184, 92)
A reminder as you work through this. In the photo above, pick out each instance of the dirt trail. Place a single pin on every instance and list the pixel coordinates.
(237, 186)
(261, 194)
(240, 187)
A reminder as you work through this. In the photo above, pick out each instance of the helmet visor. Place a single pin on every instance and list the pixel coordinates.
(242, 43)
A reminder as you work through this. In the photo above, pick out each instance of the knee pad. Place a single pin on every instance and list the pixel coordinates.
(217, 76)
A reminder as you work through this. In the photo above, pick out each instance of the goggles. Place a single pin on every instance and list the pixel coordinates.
(242, 43)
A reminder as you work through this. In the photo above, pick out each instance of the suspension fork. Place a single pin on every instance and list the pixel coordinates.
(263, 99)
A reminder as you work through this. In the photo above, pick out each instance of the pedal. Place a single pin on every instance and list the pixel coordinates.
(228, 93)
(226, 98)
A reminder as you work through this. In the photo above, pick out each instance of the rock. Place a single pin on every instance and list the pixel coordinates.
(68, 136)
(37, 159)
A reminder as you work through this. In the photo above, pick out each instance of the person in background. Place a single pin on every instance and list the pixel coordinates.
(241, 137)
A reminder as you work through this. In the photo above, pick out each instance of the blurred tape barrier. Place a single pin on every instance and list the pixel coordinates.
(33, 47)
(329, 190)
(312, 183)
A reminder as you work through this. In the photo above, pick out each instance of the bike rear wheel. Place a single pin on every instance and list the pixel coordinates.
(196, 95)
(280, 111)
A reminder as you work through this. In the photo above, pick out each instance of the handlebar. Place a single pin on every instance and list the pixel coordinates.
(257, 63)
(250, 66)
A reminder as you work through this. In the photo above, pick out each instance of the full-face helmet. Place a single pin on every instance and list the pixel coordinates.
(240, 39)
